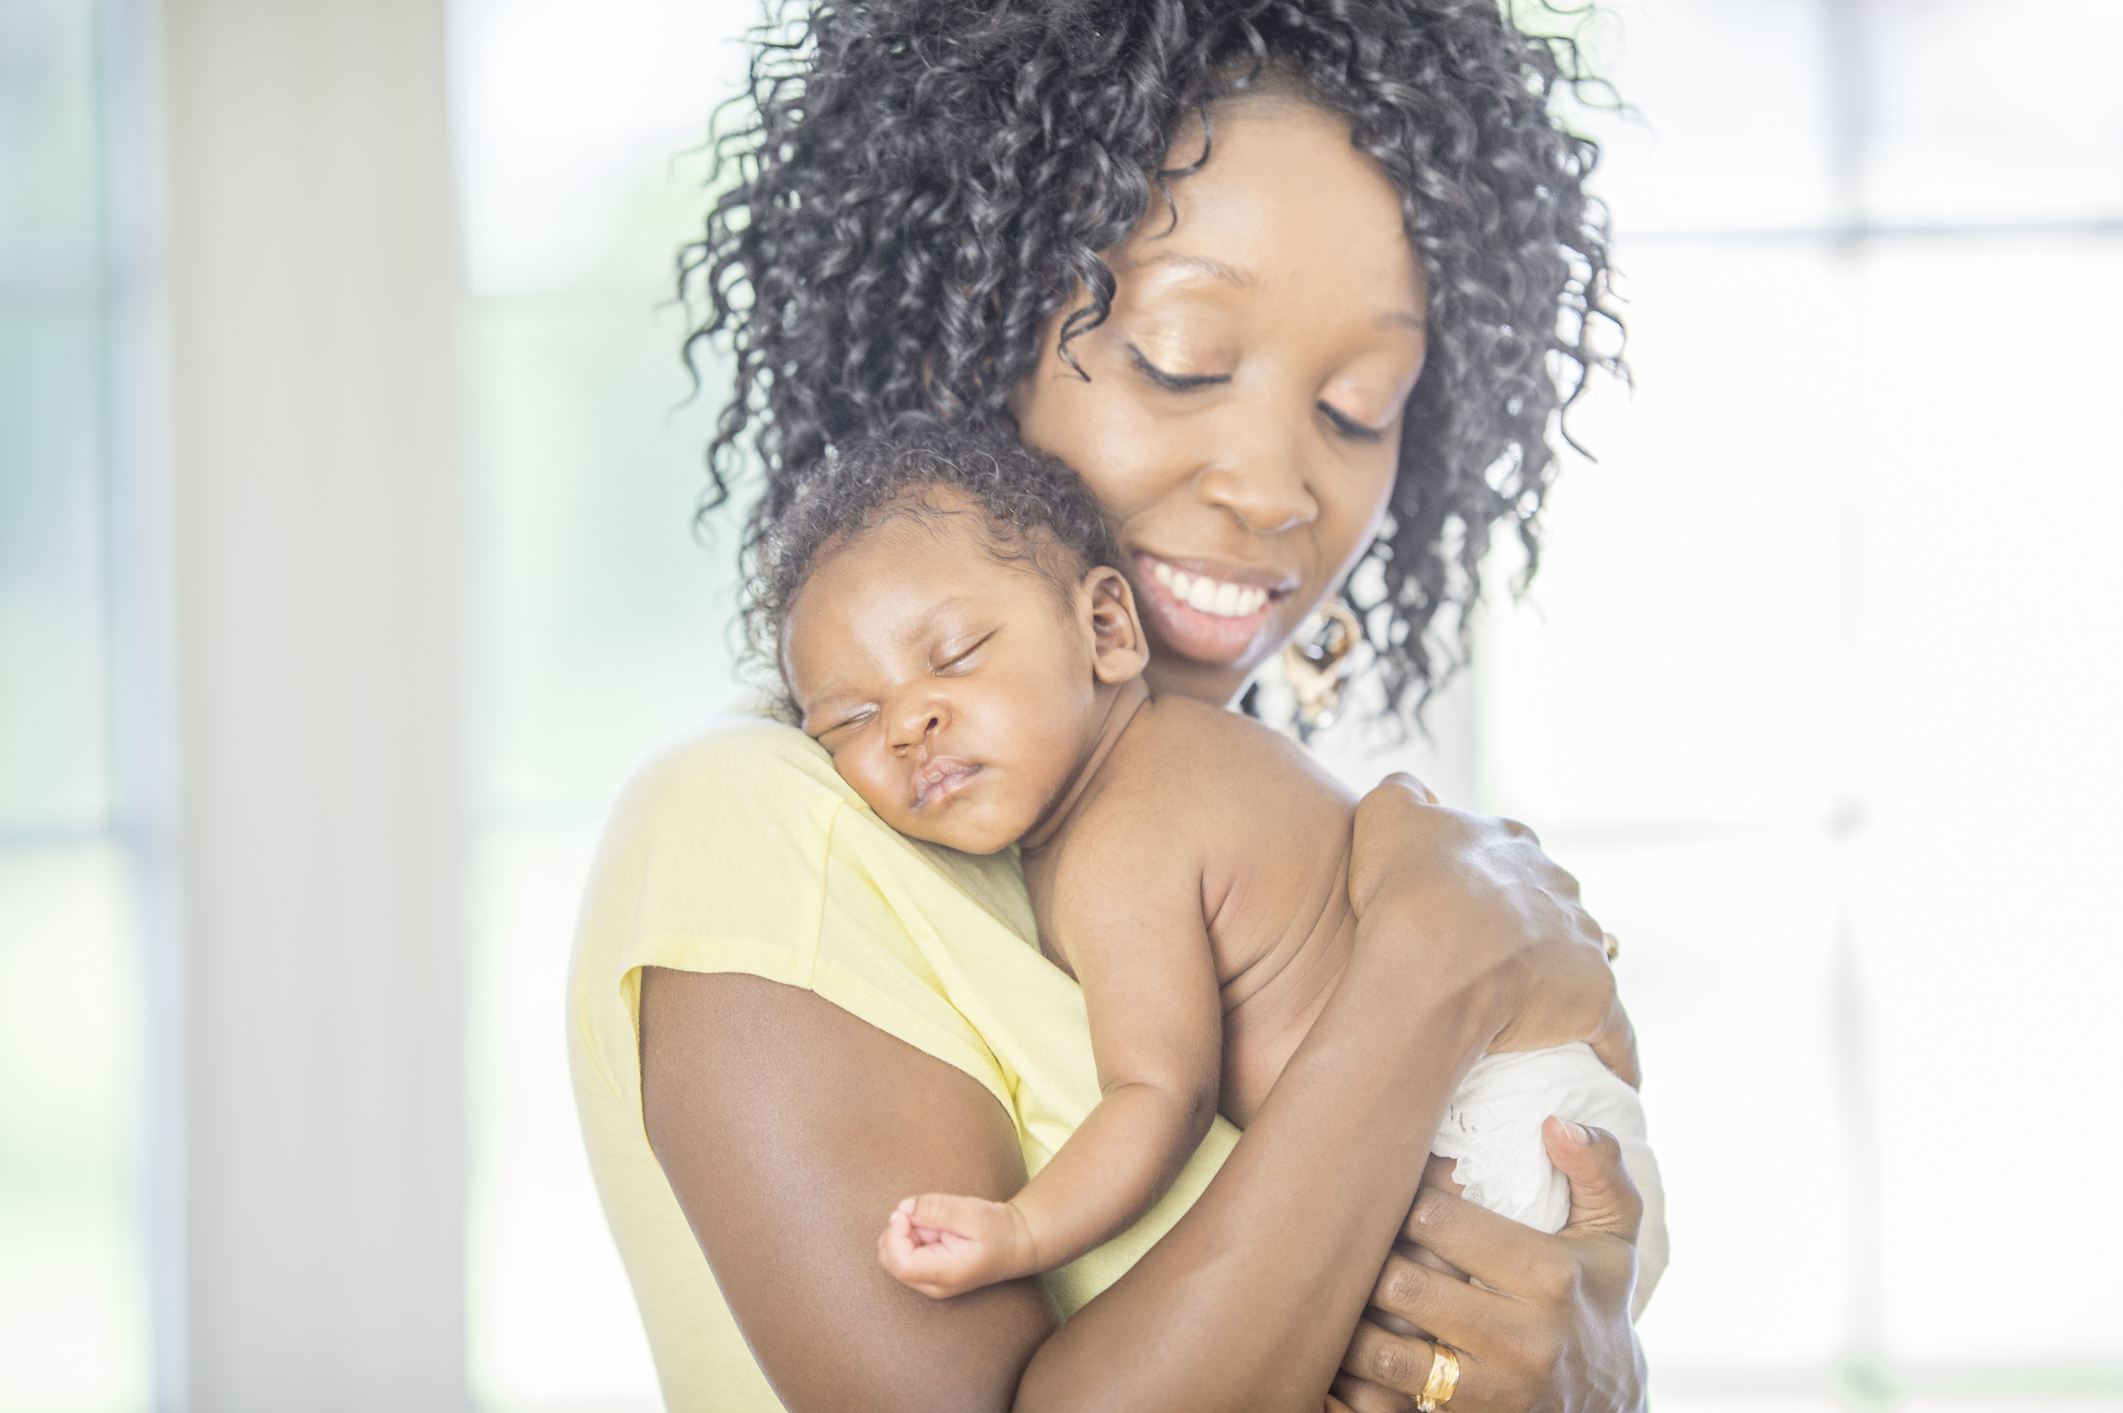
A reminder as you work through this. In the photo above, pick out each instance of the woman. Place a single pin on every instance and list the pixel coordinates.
(1277, 279)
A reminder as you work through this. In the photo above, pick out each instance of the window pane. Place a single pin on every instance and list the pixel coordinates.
(1728, 128)
(1671, 661)
(53, 686)
(73, 1322)
(1990, 696)
(1988, 113)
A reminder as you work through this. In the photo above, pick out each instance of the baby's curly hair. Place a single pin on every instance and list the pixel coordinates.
(1031, 510)
(917, 186)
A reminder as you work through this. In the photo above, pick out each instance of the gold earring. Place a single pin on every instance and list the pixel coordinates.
(1319, 662)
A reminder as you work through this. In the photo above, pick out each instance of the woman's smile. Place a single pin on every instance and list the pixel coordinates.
(1212, 613)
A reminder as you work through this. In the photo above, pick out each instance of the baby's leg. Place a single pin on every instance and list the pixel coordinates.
(943, 1245)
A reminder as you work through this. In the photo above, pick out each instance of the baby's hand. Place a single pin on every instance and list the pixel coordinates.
(943, 1245)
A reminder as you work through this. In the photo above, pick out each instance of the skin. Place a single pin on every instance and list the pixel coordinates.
(1468, 939)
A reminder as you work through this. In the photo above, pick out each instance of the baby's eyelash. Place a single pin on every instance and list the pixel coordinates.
(958, 657)
(858, 719)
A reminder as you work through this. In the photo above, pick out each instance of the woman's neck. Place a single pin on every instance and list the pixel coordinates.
(1127, 699)
(1172, 676)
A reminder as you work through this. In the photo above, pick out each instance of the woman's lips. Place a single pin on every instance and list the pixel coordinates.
(940, 779)
(1208, 614)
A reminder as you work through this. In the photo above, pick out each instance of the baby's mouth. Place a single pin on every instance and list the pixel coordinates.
(940, 779)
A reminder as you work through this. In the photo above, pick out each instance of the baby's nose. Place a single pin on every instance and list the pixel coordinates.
(920, 723)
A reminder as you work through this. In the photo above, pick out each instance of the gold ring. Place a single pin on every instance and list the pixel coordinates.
(1613, 944)
(1444, 1378)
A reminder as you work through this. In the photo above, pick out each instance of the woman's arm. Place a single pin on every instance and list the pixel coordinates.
(790, 1129)
(1552, 1331)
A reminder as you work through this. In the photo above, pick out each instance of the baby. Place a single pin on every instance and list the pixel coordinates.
(951, 628)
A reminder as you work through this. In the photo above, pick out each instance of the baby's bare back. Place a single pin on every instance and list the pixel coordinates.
(1201, 808)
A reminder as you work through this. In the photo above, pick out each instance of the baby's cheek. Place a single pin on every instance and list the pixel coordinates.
(875, 792)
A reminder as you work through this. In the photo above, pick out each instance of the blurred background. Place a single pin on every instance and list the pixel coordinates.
(341, 422)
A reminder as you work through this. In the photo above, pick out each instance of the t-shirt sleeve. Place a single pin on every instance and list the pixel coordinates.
(731, 852)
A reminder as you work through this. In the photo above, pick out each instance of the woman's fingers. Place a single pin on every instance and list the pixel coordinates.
(1519, 1326)
(1439, 1305)
(1503, 1255)
(1603, 1197)
(1412, 785)
(1616, 1046)
(1387, 1373)
(1361, 1396)
(1516, 1263)
(1392, 1361)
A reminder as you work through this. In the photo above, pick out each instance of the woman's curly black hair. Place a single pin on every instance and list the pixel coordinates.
(918, 186)
(1030, 509)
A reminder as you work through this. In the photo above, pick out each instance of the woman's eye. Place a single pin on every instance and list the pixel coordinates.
(1347, 426)
(1174, 382)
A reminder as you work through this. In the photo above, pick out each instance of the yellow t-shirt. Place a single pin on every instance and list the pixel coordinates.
(737, 848)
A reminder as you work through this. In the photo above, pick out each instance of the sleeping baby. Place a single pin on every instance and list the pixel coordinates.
(950, 626)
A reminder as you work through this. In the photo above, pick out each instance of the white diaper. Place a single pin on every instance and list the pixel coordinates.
(1493, 1126)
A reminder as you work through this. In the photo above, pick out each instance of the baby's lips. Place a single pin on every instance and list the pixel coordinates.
(939, 779)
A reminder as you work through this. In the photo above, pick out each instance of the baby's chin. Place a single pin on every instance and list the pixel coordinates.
(967, 830)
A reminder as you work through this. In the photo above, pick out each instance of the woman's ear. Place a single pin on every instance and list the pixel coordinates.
(1118, 652)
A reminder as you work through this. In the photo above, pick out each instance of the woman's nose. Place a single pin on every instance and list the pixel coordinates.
(1260, 476)
(917, 722)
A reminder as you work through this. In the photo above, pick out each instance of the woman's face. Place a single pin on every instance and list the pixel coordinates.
(1242, 419)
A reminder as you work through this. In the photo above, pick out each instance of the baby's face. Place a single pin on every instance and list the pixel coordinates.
(957, 693)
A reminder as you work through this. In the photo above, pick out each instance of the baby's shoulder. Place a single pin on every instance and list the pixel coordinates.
(1186, 759)
(1225, 747)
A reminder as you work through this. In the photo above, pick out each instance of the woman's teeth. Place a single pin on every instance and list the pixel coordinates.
(1211, 596)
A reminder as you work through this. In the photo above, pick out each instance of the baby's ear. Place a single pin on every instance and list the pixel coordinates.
(1118, 651)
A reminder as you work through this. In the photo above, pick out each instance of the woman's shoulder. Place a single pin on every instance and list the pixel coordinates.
(730, 809)
(725, 773)
(738, 825)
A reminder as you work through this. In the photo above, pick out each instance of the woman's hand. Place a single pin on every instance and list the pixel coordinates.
(1546, 1323)
(1498, 921)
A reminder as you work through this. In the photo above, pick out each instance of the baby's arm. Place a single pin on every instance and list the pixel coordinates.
(1129, 924)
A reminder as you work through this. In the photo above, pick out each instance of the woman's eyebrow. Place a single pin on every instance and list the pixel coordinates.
(1200, 264)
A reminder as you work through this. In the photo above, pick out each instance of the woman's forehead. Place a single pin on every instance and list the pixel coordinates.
(1283, 198)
